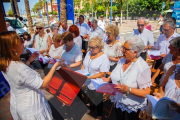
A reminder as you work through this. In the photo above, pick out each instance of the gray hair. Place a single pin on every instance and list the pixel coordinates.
(147, 20)
(135, 44)
(94, 21)
(141, 18)
(175, 42)
(169, 22)
(53, 26)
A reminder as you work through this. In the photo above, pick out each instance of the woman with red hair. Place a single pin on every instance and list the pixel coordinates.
(76, 38)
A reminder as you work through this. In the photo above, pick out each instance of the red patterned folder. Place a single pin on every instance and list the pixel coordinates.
(65, 85)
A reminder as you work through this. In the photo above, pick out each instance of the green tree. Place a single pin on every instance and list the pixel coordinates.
(10, 13)
(77, 3)
(86, 5)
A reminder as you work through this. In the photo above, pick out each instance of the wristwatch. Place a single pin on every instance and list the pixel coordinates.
(129, 90)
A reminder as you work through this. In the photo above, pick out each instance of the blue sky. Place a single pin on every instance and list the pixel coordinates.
(21, 5)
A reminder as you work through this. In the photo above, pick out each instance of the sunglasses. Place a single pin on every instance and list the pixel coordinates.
(142, 25)
(39, 28)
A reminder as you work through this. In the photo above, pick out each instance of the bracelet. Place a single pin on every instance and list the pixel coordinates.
(129, 90)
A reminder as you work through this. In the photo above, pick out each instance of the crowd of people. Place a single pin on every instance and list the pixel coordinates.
(98, 49)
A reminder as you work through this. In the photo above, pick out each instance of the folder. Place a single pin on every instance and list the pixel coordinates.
(65, 85)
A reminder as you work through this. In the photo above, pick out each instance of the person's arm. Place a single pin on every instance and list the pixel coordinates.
(82, 67)
(158, 71)
(76, 64)
(34, 42)
(31, 58)
(49, 76)
(98, 75)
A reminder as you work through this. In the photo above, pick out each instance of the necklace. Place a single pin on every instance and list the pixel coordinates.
(40, 41)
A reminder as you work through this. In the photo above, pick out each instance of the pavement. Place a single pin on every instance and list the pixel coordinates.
(78, 112)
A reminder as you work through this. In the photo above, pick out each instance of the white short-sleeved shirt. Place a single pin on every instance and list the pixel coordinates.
(162, 43)
(137, 76)
(27, 43)
(167, 61)
(146, 36)
(54, 52)
(74, 55)
(112, 51)
(98, 32)
(100, 64)
(83, 29)
(78, 41)
(27, 101)
(101, 24)
(41, 43)
(171, 93)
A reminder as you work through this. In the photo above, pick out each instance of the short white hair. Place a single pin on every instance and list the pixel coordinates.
(135, 44)
(53, 26)
(141, 18)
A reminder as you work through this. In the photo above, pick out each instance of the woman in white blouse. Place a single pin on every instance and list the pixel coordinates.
(71, 52)
(112, 47)
(54, 30)
(171, 59)
(97, 64)
(56, 48)
(133, 78)
(75, 31)
(42, 40)
(171, 88)
(27, 100)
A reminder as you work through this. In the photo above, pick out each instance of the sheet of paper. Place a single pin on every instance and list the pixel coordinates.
(83, 72)
(32, 50)
(154, 53)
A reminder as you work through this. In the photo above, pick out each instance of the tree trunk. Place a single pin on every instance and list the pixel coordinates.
(51, 7)
(16, 6)
(31, 30)
(63, 11)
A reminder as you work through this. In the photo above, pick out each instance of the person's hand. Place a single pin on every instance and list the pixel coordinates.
(33, 56)
(122, 88)
(59, 63)
(158, 95)
(42, 51)
(146, 48)
(163, 55)
(105, 79)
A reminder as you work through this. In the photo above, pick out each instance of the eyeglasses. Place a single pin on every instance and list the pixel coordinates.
(124, 49)
(93, 48)
(165, 30)
(39, 28)
(108, 33)
(142, 25)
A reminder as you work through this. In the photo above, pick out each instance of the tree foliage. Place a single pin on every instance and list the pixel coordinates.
(10, 13)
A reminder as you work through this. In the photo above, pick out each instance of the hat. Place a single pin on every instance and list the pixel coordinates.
(101, 16)
(40, 24)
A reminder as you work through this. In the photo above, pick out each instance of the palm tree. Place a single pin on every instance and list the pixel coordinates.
(63, 11)
(31, 30)
(51, 7)
(16, 6)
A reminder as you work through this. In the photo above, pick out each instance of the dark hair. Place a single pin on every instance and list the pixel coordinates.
(67, 36)
(175, 42)
(28, 36)
(82, 16)
(74, 29)
(48, 30)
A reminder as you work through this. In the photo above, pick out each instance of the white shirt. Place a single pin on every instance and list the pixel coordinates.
(101, 24)
(146, 36)
(167, 61)
(74, 55)
(162, 43)
(83, 29)
(171, 93)
(60, 30)
(78, 41)
(98, 32)
(95, 66)
(54, 52)
(27, 43)
(112, 51)
(117, 19)
(137, 76)
(10, 28)
(51, 35)
(41, 43)
(53, 22)
(27, 101)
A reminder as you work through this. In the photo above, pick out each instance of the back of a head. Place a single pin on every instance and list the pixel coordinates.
(74, 29)
(67, 36)
(175, 42)
(9, 41)
(135, 43)
(57, 37)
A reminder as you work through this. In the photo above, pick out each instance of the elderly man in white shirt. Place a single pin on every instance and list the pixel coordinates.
(95, 30)
(145, 35)
(101, 23)
(162, 43)
(9, 28)
(84, 31)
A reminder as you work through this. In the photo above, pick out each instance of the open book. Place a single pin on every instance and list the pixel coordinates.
(31, 50)
(104, 87)
(154, 54)
(160, 109)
